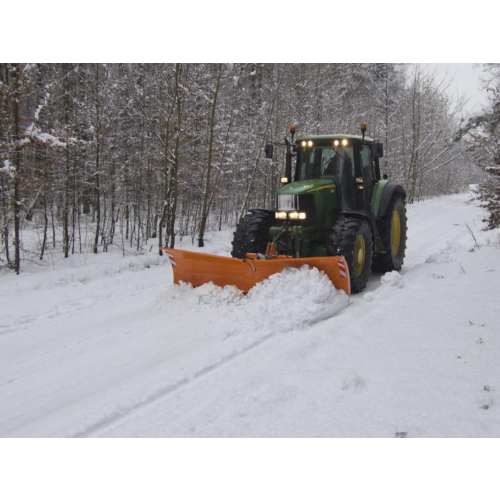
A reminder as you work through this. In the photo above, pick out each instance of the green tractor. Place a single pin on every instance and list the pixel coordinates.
(334, 203)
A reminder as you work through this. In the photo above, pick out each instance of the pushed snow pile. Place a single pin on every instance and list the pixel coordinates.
(393, 279)
(208, 295)
(285, 301)
(446, 254)
(388, 280)
(302, 293)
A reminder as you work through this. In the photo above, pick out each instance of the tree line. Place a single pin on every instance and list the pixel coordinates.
(481, 133)
(116, 154)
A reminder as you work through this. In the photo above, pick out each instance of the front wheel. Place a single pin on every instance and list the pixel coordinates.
(353, 239)
(252, 233)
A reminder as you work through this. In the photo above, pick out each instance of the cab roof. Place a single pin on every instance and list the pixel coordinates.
(333, 137)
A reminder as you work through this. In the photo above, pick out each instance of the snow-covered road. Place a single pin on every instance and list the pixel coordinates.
(106, 348)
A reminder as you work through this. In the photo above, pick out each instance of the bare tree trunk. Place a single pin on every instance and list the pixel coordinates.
(175, 171)
(66, 180)
(97, 189)
(97, 196)
(53, 225)
(166, 193)
(46, 219)
(204, 210)
(17, 170)
(6, 238)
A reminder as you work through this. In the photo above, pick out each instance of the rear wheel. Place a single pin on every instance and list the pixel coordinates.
(392, 229)
(353, 239)
(252, 233)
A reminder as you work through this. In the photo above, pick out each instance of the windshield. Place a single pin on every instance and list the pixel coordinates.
(326, 162)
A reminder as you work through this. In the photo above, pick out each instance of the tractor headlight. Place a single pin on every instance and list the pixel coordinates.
(281, 215)
(297, 215)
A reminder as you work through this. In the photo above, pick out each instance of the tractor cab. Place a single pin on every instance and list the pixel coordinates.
(345, 159)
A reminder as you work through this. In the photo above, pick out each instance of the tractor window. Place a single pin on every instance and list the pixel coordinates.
(366, 163)
(325, 162)
(313, 162)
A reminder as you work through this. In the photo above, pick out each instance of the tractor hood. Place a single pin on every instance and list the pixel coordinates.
(305, 187)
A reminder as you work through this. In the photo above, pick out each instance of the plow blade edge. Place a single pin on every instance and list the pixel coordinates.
(199, 268)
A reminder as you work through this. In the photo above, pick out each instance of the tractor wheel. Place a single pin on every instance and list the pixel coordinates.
(393, 234)
(252, 233)
(353, 239)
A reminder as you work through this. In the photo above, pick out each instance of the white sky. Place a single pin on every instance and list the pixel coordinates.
(465, 82)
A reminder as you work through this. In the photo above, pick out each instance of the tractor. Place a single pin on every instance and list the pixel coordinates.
(333, 203)
(333, 212)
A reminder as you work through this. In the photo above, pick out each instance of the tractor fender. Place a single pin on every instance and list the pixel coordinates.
(383, 195)
(257, 210)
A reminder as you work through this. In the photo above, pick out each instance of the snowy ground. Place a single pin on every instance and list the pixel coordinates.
(106, 346)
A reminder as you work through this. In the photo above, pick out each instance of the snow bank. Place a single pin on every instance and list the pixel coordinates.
(85, 274)
(447, 254)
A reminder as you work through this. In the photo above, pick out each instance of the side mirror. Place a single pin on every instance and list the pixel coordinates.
(269, 150)
(377, 150)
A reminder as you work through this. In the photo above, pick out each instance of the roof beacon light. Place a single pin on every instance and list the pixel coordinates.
(292, 130)
(363, 129)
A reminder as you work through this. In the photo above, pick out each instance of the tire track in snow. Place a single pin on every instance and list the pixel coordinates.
(412, 216)
(314, 291)
(120, 415)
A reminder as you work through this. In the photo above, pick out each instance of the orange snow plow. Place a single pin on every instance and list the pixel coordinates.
(199, 268)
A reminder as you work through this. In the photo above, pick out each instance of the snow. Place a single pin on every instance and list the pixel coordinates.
(105, 346)
(7, 168)
(41, 106)
(286, 301)
(33, 132)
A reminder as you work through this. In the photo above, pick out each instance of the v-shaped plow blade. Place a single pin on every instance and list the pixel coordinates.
(199, 268)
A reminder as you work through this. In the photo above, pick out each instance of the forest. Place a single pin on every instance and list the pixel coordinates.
(101, 155)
